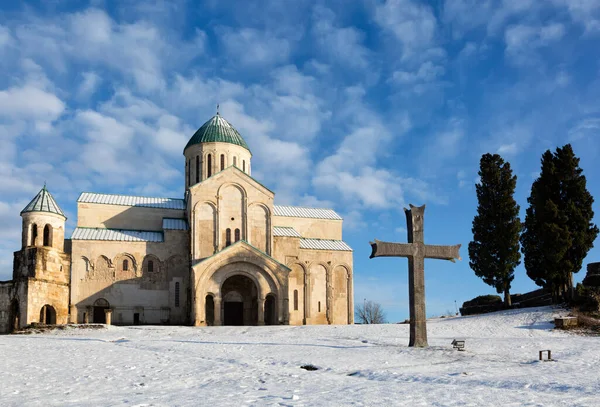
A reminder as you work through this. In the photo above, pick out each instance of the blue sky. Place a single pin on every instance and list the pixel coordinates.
(361, 106)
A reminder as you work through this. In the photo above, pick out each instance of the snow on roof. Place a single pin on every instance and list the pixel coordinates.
(285, 231)
(324, 244)
(300, 212)
(130, 200)
(121, 235)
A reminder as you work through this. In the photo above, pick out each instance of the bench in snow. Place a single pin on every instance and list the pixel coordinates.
(458, 344)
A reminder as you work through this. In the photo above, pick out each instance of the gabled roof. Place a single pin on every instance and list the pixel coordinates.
(285, 231)
(324, 244)
(129, 200)
(300, 212)
(174, 224)
(238, 171)
(119, 235)
(43, 202)
(217, 129)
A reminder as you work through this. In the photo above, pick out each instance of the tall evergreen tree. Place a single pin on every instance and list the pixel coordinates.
(494, 251)
(558, 229)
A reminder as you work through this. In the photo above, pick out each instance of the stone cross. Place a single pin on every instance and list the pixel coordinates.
(416, 251)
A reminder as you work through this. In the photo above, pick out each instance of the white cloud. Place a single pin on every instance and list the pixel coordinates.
(522, 40)
(427, 72)
(342, 45)
(508, 149)
(5, 36)
(588, 127)
(89, 84)
(413, 24)
(251, 47)
(30, 102)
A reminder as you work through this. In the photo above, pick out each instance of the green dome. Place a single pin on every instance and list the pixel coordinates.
(219, 130)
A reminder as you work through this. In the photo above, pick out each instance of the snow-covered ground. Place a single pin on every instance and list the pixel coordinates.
(367, 365)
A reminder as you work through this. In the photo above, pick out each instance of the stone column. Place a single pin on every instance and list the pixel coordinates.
(108, 315)
(218, 311)
(306, 295)
(73, 314)
(329, 295)
(261, 311)
(286, 311)
(350, 299)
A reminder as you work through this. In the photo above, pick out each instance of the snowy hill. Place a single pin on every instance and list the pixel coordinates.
(368, 365)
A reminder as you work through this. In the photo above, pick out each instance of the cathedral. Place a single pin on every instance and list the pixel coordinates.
(225, 254)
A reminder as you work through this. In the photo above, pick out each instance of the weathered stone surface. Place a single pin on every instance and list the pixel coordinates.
(416, 251)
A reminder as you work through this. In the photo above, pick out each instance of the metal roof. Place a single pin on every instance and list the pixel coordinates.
(285, 231)
(43, 202)
(300, 212)
(120, 235)
(129, 200)
(217, 129)
(175, 224)
(324, 244)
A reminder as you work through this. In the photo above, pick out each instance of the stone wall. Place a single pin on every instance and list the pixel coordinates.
(319, 276)
(158, 293)
(312, 228)
(6, 295)
(230, 201)
(41, 277)
(92, 215)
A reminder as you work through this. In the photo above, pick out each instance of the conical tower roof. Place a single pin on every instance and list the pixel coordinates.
(43, 202)
(217, 129)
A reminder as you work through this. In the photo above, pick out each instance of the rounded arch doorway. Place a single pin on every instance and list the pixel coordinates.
(48, 315)
(240, 301)
(100, 306)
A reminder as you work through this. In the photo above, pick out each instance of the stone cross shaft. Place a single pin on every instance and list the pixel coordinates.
(416, 251)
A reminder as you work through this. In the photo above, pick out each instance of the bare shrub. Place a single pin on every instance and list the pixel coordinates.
(370, 312)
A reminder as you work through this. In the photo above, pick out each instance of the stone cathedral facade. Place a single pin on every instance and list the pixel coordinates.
(224, 254)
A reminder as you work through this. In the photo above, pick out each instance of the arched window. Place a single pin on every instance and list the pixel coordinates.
(227, 237)
(47, 235)
(189, 174)
(319, 306)
(222, 162)
(197, 168)
(150, 266)
(177, 295)
(244, 165)
(295, 300)
(235, 161)
(125, 265)
(208, 166)
(237, 235)
(34, 232)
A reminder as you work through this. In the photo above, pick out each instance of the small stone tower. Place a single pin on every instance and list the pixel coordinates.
(41, 271)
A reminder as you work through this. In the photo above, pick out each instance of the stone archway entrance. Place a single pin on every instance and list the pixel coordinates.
(48, 315)
(100, 306)
(14, 316)
(240, 301)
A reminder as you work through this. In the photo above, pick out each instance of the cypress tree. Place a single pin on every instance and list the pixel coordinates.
(494, 251)
(558, 229)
